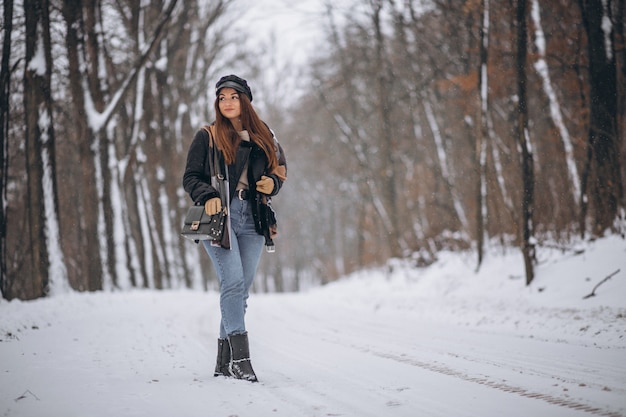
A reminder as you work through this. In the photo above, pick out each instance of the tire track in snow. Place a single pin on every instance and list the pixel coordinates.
(486, 381)
(497, 385)
(567, 372)
(530, 360)
(350, 337)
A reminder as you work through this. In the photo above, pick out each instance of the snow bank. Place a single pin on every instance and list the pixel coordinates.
(496, 297)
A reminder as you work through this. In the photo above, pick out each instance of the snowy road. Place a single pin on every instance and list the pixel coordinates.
(441, 341)
(151, 354)
(397, 365)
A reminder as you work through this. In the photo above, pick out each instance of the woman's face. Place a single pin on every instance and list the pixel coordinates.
(229, 104)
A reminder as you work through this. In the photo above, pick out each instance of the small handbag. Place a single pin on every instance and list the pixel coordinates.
(200, 226)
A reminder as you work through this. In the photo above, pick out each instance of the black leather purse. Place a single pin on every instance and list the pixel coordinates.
(200, 226)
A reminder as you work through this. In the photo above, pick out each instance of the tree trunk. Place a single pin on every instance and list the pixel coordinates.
(620, 61)
(528, 246)
(481, 132)
(605, 179)
(445, 171)
(34, 103)
(102, 174)
(90, 261)
(5, 84)
(541, 66)
(386, 135)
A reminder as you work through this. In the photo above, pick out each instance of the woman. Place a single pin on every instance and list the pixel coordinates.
(254, 166)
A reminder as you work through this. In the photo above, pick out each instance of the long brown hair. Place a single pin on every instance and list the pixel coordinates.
(227, 139)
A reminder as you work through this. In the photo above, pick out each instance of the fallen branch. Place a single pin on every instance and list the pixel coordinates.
(21, 397)
(593, 292)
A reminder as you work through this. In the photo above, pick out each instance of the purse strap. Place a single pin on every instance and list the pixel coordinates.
(219, 172)
(214, 155)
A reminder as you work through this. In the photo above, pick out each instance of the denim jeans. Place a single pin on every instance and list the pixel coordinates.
(236, 267)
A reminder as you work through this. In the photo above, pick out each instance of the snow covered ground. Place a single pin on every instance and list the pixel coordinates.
(440, 341)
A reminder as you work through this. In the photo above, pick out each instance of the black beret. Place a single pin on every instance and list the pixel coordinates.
(232, 81)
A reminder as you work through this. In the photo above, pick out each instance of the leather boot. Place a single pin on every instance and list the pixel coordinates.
(223, 358)
(240, 365)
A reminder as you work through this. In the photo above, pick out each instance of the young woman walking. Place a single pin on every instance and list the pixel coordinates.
(253, 165)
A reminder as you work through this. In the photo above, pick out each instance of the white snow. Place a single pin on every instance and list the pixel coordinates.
(607, 28)
(400, 341)
(37, 63)
(56, 263)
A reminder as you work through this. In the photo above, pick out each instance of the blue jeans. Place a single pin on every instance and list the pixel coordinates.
(236, 267)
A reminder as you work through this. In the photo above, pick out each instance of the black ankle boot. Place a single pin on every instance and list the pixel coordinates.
(240, 366)
(223, 358)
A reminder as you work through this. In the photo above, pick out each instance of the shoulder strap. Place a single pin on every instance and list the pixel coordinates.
(210, 129)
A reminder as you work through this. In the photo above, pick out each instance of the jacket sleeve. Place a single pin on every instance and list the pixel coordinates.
(197, 176)
(279, 174)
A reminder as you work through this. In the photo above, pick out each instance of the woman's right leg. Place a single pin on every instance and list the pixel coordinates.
(235, 270)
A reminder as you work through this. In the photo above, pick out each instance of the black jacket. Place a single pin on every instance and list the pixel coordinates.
(197, 176)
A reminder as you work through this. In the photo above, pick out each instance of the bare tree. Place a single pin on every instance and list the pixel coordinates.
(5, 88)
(620, 60)
(90, 261)
(47, 259)
(523, 138)
(556, 113)
(482, 132)
(603, 172)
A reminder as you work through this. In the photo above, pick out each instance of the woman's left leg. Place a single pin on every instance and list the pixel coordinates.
(227, 264)
(250, 246)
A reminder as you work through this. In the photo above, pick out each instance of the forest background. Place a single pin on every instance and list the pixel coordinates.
(410, 127)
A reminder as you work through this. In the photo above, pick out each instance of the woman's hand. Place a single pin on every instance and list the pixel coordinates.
(265, 185)
(213, 206)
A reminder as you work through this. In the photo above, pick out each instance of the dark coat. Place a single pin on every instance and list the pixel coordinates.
(197, 176)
